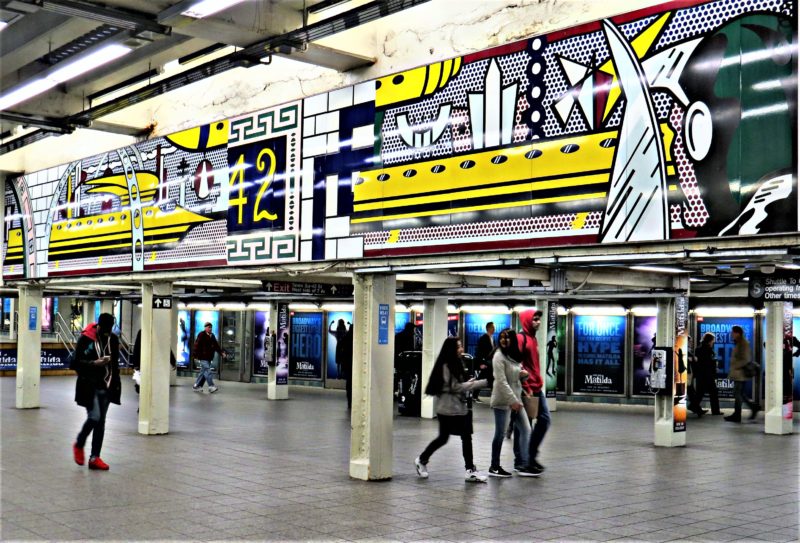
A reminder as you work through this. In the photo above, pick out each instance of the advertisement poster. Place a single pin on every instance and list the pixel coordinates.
(680, 365)
(561, 363)
(419, 322)
(183, 349)
(200, 320)
(796, 361)
(552, 351)
(599, 354)
(644, 339)
(282, 345)
(338, 324)
(475, 327)
(400, 320)
(263, 342)
(47, 314)
(721, 328)
(50, 359)
(306, 346)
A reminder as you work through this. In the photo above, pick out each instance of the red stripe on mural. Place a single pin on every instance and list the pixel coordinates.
(496, 51)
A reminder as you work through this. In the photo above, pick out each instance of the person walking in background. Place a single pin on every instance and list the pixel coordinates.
(483, 355)
(705, 376)
(96, 361)
(530, 320)
(205, 346)
(449, 382)
(507, 395)
(344, 358)
(740, 357)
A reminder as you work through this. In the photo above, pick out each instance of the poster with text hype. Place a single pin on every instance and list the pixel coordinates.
(599, 354)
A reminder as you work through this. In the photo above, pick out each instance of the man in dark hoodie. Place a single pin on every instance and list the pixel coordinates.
(530, 320)
(96, 360)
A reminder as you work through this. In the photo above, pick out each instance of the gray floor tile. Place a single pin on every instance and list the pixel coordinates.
(241, 468)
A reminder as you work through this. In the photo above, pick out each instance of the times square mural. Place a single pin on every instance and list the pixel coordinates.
(673, 122)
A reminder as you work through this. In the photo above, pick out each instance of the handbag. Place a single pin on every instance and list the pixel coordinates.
(531, 404)
(750, 369)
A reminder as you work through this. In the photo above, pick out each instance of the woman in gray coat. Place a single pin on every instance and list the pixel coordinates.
(507, 395)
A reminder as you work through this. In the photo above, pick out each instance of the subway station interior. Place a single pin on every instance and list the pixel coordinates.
(400, 172)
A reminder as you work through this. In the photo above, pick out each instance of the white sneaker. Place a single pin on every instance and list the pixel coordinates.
(213, 389)
(474, 477)
(197, 388)
(422, 469)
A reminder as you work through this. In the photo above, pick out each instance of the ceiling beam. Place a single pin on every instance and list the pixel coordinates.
(138, 22)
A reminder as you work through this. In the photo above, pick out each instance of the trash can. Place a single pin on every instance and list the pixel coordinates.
(409, 386)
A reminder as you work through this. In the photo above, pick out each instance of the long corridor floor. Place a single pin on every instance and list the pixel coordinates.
(237, 467)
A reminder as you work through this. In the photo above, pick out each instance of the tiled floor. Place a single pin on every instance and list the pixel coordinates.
(238, 467)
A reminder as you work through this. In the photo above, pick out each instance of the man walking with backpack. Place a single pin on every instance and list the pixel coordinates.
(530, 320)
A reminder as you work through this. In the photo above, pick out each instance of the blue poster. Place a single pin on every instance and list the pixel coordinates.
(32, 318)
(383, 324)
(599, 354)
(306, 346)
(400, 320)
(419, 323)
(475, 327)
(338, 324)
(263, 342)
(183, 349)
(644, 336)
(721, 328)
(49, 359)
(200, 320)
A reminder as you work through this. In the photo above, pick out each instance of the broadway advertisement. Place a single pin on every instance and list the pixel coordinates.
(644, 337)
(599, 354)
(263, 342)
(306, 346)
(721, 328)
(338, 324)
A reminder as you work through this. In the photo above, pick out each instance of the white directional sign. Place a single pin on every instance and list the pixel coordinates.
(162, 302)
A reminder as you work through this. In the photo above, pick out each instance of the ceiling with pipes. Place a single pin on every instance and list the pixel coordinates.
(67, 64)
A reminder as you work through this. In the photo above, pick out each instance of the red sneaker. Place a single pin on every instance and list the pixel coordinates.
(77, 454)
(98, 463)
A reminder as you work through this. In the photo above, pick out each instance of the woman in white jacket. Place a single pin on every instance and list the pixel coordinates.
(507, 395)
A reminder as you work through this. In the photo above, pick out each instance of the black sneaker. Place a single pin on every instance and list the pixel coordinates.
(498, 472)
(536, 465)
(531, 471)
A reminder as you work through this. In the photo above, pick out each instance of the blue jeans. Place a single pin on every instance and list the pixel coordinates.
(739, 397)
(538, 431)
(522, 430)
(95, 423)
(206, 374)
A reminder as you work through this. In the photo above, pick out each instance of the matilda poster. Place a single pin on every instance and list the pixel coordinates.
(599, 354)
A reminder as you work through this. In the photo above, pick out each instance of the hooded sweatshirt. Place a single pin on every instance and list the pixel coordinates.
(529, 348)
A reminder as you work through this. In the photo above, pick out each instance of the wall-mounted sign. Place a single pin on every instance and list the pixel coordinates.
(314, 289)
(778, 287)
(162, 302)
(383, 324)
(32, 317)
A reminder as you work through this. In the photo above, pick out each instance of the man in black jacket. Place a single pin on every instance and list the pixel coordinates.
(96, 360)
(483, 356)
(205, 346)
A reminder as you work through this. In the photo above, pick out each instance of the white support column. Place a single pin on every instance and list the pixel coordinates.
(88, 313)
(547, 327)
(14, 324)
(155, 367)
(778, 415)
(435, 315)
(107, 306)
(276, 391)
(173, 344)
(372, 413)
(29, 347)
(665, 434)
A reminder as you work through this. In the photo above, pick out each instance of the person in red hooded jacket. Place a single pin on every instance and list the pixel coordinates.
(530, 320)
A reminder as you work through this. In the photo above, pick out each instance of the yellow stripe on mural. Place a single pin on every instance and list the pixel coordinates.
(536, 201)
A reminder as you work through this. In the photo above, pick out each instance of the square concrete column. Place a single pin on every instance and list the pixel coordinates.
(435, 314)
(155, 367)
(777, 408)
(372, 414)
(107, 306)
(88, 313)
(173, 335)
(13, 324)
(672, 319)
(29, 347)
(546, 329)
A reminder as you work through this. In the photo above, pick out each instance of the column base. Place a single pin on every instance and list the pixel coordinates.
(666, 437)
(774, 423)
(275, 392)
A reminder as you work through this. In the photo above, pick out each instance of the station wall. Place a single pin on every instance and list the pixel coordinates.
(672, 122)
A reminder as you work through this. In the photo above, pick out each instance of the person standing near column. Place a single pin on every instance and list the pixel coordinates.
(740, 357)
(205, 346)
(96, 360)
(530, 320)
(705, 375)
(483, 355)
(450, 383)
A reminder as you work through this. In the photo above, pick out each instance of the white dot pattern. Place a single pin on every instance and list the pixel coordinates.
(694, 210)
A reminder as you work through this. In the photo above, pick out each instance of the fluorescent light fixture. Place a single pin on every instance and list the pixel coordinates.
(611, 259)
(337, 307)
(598, 310)
(232, 306)
(205, 8)
(400, 308)
(3, 24)
(59, 75)
(259, 307)
(658, 269)
(790, 266)
(486, 309)
(201, 305)
(645, 310)
(724, 311)
(697, 280)
(303, 305)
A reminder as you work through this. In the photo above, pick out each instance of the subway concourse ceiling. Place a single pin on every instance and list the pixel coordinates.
(710, 271)
(143, 49)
